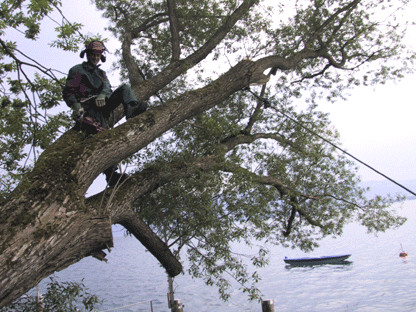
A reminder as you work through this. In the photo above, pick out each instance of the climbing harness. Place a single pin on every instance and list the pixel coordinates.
(267, 103)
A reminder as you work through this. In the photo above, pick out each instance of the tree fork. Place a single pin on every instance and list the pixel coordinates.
(47, 225)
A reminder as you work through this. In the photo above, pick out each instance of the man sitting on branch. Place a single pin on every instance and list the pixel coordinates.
(88, 93)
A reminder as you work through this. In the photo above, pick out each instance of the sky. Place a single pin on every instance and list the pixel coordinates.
(376, 124)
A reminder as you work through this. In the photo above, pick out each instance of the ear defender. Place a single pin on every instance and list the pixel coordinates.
(96, 46)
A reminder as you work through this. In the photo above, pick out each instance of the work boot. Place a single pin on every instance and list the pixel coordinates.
(113, 177)
(135, 108)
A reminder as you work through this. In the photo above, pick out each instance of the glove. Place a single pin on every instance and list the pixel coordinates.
(100, 101)
(77, 111)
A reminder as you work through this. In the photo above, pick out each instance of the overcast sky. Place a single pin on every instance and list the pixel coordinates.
(376, 124)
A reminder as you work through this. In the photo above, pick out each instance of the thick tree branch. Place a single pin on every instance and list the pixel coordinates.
(259, 106)
(133, 69)
(297, 209)
(151, 241)
(289, 223)
(129, 35)
(310, 220)
(174, 30)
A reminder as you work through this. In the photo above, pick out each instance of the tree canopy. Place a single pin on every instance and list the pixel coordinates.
(210, 163)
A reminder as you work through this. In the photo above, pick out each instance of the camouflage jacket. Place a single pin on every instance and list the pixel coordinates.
(85, 80)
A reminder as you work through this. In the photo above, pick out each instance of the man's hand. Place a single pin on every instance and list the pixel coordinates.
(100, 101)
(77, 111)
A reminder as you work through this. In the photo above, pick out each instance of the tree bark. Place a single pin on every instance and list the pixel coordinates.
(54, 239)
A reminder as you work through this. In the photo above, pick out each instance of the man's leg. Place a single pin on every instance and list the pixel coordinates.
(125, 95)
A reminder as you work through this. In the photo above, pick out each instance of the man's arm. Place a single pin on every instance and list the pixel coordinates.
(72, 84)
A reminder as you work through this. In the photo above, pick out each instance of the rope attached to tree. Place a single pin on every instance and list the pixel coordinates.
(267, 103)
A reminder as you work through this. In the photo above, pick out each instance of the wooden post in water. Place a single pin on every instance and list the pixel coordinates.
(170, 293)
(267, 305)
(174, 304)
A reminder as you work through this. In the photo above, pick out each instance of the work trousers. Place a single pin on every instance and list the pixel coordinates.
(123, 95)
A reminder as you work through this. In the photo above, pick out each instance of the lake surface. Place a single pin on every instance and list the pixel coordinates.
(377, 279)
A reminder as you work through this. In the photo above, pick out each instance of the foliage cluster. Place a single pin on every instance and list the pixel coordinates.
(59, 297)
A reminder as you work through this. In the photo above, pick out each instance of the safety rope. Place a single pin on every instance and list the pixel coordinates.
(267, 104)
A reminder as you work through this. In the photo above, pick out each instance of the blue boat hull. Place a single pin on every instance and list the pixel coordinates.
(317, 260)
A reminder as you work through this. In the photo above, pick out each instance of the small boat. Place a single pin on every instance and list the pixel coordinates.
(317, 260)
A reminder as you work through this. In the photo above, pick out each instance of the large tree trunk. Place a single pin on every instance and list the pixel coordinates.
(48, 225)
(53, 240)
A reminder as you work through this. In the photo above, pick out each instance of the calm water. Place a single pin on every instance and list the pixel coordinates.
(377, 279)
